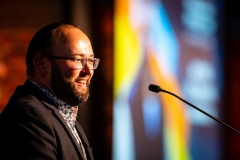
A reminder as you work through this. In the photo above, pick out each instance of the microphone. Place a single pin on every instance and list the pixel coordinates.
(156, 89)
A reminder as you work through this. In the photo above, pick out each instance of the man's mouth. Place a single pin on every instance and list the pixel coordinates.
(81, 82)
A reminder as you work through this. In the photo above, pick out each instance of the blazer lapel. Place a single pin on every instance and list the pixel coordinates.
(84, 141)
(66, 127)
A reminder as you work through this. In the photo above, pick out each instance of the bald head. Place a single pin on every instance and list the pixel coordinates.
(68, 38)
(47, 39)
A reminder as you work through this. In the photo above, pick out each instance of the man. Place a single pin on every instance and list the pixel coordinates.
(39, 121)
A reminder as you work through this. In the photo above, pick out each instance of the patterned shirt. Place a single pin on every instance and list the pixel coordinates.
(68, 112)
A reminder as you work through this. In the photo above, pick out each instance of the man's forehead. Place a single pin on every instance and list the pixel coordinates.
(69, 34)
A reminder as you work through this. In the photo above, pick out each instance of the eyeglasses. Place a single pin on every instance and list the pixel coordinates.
(79, 63)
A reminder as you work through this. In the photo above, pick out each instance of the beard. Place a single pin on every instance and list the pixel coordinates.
(66, 90)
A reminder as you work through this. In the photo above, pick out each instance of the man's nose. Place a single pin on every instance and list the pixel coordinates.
(87, 69)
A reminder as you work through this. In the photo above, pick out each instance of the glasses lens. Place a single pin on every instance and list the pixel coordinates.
(95, 63)
(92, 62)
(79, 63)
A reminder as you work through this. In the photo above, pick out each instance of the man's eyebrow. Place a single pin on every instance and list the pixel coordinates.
(83, 54)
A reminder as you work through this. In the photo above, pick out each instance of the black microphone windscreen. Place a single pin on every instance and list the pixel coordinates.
(154, 88)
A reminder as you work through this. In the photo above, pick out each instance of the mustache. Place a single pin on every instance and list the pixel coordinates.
(87, 79)
(82, 79)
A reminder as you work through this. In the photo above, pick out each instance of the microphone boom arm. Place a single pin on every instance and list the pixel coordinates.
(209, 115)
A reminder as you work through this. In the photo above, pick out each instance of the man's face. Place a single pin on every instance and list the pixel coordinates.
(66, 89)
(68, 83)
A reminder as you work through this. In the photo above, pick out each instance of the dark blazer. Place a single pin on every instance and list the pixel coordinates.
(31, 127)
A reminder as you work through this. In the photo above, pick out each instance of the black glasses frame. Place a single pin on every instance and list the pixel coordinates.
(83, 60)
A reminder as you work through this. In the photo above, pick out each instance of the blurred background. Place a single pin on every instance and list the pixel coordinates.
(188, 47)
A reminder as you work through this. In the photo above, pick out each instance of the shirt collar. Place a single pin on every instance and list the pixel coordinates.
(68, 112)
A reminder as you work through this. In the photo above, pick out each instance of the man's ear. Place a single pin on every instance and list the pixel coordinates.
(40, 64)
